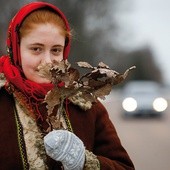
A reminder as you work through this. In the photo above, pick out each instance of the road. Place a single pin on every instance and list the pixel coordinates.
(147, 140)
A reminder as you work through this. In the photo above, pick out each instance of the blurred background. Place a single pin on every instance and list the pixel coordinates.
(122, 33)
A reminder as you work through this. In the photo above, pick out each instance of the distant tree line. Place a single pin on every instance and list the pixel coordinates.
(146, 66)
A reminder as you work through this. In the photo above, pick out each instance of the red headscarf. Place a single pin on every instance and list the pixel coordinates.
(10, 65)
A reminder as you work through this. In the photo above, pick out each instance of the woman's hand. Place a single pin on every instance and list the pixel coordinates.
(66, 147)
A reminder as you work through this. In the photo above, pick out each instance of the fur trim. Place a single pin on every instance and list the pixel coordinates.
(91, 161)
(80, 101)
(2, 80)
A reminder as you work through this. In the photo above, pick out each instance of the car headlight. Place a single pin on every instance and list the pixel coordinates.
(129, 104)
(160, 104)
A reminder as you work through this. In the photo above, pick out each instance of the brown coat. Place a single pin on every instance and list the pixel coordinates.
(93, 127)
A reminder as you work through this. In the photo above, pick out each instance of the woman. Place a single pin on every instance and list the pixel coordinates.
(39, 33)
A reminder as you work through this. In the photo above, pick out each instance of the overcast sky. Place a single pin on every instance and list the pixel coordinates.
(148, 23)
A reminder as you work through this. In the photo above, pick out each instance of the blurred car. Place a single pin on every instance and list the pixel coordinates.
(143, 98)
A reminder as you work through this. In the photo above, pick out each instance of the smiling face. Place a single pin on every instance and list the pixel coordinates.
(44, 37)
(43, 44)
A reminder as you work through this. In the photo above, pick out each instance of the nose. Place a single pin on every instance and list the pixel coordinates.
(47, 58)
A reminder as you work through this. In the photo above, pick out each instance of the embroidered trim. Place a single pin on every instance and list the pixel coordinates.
(67, 121)
(33, 140)
(21, 141)
(91, 161)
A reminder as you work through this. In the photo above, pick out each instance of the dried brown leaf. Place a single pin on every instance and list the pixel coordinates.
(84, 64)
(60, 67)
(103, 91)
(73, 75)
(120, 77)
(52, 99)
(103, 65)
(109, 73)
(84, 89)
(44, 70)
(95, 83)
(88, 97)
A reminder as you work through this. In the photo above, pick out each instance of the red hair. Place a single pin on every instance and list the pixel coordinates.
(43, 16)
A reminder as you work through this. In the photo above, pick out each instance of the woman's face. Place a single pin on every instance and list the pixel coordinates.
(43, 44)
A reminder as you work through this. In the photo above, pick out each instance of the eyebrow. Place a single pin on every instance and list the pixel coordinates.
(39, 44)
(58, 46)
(36, 44)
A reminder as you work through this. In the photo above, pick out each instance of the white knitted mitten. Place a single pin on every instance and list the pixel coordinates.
(66, 147)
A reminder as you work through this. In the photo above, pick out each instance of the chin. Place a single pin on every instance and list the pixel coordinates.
(41, 80)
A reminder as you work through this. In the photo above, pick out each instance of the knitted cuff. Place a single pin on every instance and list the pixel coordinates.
(91, 161)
